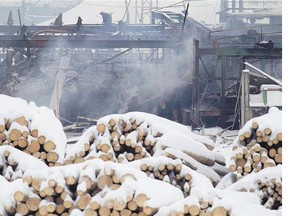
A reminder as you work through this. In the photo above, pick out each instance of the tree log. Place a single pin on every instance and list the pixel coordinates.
(33, 146)
(22, 209)
(15, 134)
(278, 158)
(34, 133)
(83, 201)
(103, 181)
(52, 157)
(33, 203)
(140, 199)
(49, 146)
(194, 210)
(104, 211)
(101, 128)
(219, 211)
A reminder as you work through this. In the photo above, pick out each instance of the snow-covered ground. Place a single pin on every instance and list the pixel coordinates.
(176, 174)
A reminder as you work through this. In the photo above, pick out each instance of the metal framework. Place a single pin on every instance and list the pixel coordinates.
(199, 94)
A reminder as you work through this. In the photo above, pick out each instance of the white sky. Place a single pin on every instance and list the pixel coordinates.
(201, 10)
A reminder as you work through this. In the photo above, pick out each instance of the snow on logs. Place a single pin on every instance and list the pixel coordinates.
(133, 136)
(93, 187)
(266, 184)
(258, 145)
(13, 163)
(34, 130)
(214, 202)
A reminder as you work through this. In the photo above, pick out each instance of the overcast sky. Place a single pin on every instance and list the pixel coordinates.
(201, 10)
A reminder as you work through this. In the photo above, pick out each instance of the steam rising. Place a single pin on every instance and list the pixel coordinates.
(116, 86)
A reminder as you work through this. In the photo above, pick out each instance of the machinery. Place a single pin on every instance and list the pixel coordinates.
(206, 68)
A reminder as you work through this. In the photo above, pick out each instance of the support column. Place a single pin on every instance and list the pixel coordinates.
(223, 88)
(245, 111)
(195, 115)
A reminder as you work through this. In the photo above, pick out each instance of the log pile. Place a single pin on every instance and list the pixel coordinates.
(127, 138)
(267, 184)
(200, 207)
(13, 163)
(259, 148)
(118, 141)
(218, 203)
(167, 170)
(88, 187)
(18, 133)
(271, 193)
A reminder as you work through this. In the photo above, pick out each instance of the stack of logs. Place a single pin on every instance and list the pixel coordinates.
(267, 188)
(199, 207)
(60, 193)
(169, 173)
(9, 167)
(128, 141)
(271, 196)
(260, 149)
(17, 133)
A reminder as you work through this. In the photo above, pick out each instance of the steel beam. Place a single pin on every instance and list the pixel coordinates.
(74, 41)
(241, 51)
(11, 30)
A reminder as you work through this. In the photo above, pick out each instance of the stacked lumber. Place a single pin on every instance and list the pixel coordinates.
(18, 133)
(258, 146)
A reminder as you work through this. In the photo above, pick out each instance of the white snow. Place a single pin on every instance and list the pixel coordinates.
(237, 202)
(272, 120)
(250, 181)
(24, 161)
(174, 139)
(40, 118)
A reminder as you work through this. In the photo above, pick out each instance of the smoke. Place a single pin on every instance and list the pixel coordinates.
(126, 83)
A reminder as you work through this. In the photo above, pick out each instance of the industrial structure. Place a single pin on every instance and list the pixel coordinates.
(212, 60)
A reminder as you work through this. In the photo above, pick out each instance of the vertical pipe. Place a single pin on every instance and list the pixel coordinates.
(223, 7)
(19, 17)
(233, 6)
(241, 6)
(245, 112)
(136, 12)
(142, 12)
(223, 89)
(194, 115)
